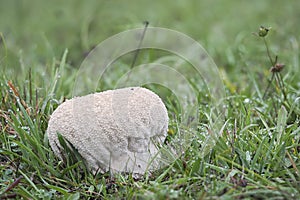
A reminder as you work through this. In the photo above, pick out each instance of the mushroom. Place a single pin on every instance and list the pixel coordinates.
(116, 130)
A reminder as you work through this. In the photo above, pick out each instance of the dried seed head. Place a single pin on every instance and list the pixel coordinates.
(277, 68)
(263, 31)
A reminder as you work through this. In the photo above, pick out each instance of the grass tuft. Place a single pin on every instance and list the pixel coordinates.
(256, 154)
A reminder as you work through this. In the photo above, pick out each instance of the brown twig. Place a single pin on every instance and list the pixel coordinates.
(17, 94)
(14, 184)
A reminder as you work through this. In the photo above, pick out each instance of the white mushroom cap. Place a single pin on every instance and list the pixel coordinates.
(116, 130)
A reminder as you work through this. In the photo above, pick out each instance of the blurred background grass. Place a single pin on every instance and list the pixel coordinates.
(41, 30)
(35, 35)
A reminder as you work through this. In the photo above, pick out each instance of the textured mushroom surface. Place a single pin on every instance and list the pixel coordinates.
(117, 130)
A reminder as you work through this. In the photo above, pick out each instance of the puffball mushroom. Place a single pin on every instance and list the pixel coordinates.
(116, 130)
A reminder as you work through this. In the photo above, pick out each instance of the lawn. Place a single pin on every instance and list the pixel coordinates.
(244, 142)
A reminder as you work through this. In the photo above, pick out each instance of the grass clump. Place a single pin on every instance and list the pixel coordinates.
(257, 155)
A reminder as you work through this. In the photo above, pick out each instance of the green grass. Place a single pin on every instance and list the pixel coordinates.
(257, 155)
